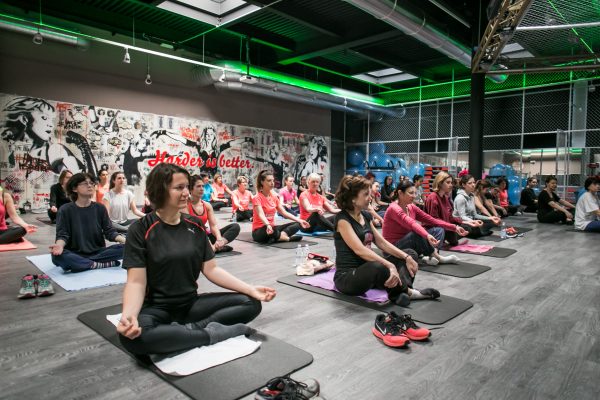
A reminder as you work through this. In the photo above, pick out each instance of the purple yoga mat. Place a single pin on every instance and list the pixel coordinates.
(324, 280)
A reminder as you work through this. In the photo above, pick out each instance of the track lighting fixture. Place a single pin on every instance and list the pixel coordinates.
(38, 38)
(148, 80)
(222, 77)
(126, 58)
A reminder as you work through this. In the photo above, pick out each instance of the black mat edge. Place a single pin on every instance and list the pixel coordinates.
(438, 269)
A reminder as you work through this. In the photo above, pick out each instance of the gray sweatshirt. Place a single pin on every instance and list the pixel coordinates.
(464, 207)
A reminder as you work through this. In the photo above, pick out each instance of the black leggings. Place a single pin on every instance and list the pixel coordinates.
(245, 215)
(319, 222)
(479, 231)
(373, 274)
(552, 217)
(229, 233)
(217, 205)
(12, 234)
(260, 235)
(182, 328)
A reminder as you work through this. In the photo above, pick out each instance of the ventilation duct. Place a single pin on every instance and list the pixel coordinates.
(234, 81)
(417, 27)
(70, 40)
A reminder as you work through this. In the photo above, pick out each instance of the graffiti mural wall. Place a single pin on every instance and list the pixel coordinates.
(40, 138)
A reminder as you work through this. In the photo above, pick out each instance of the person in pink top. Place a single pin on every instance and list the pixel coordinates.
(12, 234)
(402, 227)
(266, 204)
(217, 197)
(288, 195)
(103, 186)
(314, 205)
(241, 200)
(503, 197)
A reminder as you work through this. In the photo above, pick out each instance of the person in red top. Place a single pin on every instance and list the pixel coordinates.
(402, 227)
(14, 233)
(266, 203)
(241, 200)
(219, 238)
(314, 205)
(288, 195)
(439, 205)
(217, 197)
(503, 197)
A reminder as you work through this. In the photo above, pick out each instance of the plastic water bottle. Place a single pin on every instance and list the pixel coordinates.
(305, 252)
(503, 231)
(298, 260)
(234, 217)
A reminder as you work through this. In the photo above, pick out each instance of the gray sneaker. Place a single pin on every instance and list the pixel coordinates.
(44, 286)
(27, 290)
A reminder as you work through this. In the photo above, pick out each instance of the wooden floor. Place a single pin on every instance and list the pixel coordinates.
(534, 330)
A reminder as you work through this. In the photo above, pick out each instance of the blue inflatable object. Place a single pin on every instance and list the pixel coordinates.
(376, 148)
(355, 158)
(498, 170)
(579, 193)
(400, 163)
(514, 195)
(509, 171)
(380, 160)
(353, 171)
(380, 175)
(416, 169)
(400, 172)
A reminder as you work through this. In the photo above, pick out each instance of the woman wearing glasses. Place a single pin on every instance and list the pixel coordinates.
(81, 228)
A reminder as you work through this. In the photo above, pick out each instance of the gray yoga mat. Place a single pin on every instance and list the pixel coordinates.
(520, 229)
(232, 380)
(227, 254)
(461, 270)
(431, 312)
(498, 252)
(317, 235)
(247, 237)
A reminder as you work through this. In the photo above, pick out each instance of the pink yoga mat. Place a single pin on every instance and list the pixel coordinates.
(22, 245)
(472, 248)
(324, 280)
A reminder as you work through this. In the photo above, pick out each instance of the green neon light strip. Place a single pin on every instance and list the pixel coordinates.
(291, 80)
(343, 75)
(572, 29)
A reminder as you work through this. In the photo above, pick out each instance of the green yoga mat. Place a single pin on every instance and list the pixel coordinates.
(232, 380)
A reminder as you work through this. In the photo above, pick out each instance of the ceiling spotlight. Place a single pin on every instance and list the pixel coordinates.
(38, 38)
(126, 58)
(148, 80)
(345, 102)
(222, 77)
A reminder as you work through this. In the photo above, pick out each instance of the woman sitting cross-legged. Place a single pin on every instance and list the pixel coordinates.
(314, 205)
(219, 238)
(81, 229)
(587, 215)
(164, 255)
(119, 201)
(358, 268)
(241, 200)
(439, 205)
(12, 234)
(58, 194)
(266, 203)
(464, 208)
(402, 227)
(551, 208)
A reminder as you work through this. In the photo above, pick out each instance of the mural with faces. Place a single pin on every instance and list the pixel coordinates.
(40, 138)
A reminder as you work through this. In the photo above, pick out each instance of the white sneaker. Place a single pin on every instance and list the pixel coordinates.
(451, 259)
(430, 260)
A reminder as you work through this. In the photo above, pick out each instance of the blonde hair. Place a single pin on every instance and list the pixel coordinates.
(314, 177)
(439, 178)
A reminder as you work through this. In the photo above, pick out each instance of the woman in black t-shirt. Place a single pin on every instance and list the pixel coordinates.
(551, 208)
(358, 268)
(164, 255)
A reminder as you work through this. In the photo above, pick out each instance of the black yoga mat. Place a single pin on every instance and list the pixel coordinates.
(228, 381)
(320, 235)
(498, 252)
(431, 312)
(247, 237)
(489, 238)
(227, 254)
(461, 270)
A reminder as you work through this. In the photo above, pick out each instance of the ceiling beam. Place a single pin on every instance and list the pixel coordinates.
(303, 20)
(359, 41)
(389, 61)
(264, 35)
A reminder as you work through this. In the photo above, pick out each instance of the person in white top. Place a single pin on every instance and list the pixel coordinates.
(119, 201)
(587, 211)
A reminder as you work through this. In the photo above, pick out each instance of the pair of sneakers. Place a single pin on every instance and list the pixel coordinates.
(398, 330)
(35, 286)
(286, 388)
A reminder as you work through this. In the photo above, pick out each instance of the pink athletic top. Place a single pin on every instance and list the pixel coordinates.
(220, 190)
(397, 223)
(289, 196)
(3, 226)
(243, 199)
(315, 200)
(269, 206)
(503, 197)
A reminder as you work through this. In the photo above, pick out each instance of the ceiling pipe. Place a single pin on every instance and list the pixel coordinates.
(80, 43)
(231, 81)
(418, 27)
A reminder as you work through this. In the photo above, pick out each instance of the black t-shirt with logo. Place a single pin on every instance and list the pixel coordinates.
(173, 256)
(345, 257)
